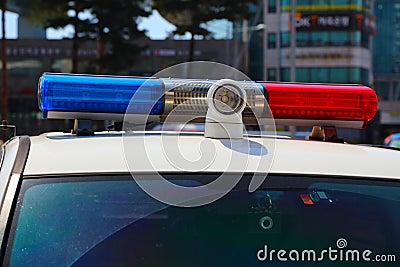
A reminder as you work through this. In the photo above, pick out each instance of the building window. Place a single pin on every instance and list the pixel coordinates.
(341, 2)
(364, 40)
(320, 38)
(303, 39)
(303, 74)
(339, 75)
(395, 91)
(271, 6)
(382, 90)
(333, 38)
(366, 4)
(302, 2)
(328, 75)
(340, 38)
(285, 5)
(271, 75)
(320, 75)
(355, 38)
(285, 39)
(323, 2)
(355, 75)
(364, 76)
(271, 40)
(285, 74)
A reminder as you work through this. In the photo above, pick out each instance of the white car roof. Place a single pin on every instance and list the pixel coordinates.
(63, 154)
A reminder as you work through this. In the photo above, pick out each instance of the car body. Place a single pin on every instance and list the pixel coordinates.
(82, 200)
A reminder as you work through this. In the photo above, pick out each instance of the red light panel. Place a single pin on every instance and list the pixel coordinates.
(321, 101)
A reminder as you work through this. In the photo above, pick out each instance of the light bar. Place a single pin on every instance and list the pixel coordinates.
(321, 104)
(73, 96)
(84, 96)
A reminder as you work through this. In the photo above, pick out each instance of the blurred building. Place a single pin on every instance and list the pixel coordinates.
(333, 41)
(387, 63)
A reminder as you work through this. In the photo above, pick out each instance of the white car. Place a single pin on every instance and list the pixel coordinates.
(128, 197)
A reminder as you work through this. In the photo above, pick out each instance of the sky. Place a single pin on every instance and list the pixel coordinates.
(11, 25)
(157, 28)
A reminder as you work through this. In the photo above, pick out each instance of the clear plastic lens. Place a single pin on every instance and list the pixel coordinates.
(227, 99)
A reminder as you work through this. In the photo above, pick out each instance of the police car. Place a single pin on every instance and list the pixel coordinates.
(228, 196)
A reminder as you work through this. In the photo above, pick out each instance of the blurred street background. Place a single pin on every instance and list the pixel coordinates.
(322, 41)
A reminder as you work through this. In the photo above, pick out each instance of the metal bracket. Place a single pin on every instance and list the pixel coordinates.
(82, 127)
(317, 134)
(328, 134)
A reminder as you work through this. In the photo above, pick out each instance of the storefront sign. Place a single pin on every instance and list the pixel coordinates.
(337, 21)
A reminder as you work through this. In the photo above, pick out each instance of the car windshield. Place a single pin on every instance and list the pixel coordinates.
(110, 221)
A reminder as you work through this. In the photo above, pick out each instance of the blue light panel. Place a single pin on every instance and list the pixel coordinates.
(99, 94)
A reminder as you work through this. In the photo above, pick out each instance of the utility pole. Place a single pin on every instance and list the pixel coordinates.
(236, 40)
(293, 55)
(265, 40)
(75, 44)
(278, 41)
(293, 43)
(4, 93)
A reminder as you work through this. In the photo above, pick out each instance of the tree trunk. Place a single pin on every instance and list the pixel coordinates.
(75, 48)
(191, 47)
(75, 41)
(100, 53)
(4, 93)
